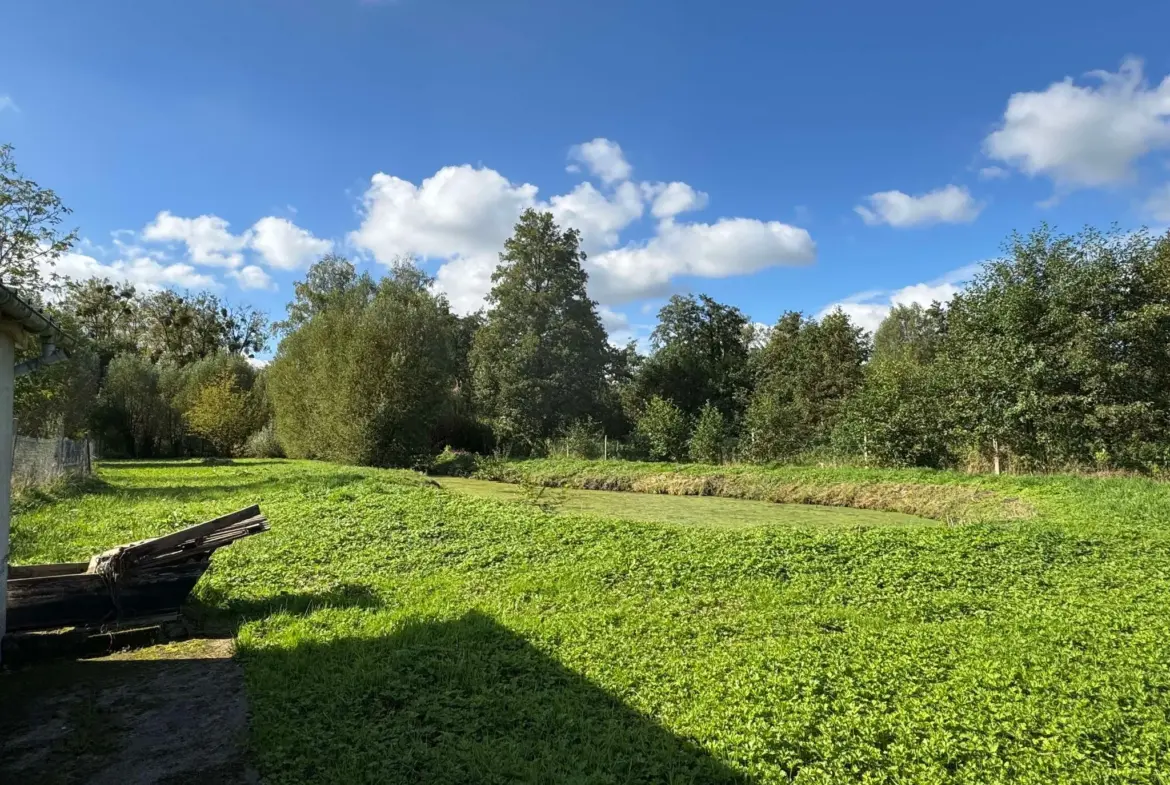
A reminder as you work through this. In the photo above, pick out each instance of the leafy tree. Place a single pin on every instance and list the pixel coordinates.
(700, 356)
(539, 361)
(804, 376)
(898, 417)
(222, 414)
(366, 382)
(30, 235)
(706, 445)
(104, 314)
(1058, 353)
(134, 416)
(663, 428)
(911, 330)
(328, 281)
(185, 328)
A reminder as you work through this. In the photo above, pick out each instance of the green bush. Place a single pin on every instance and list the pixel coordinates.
(706, 445)
(454, 463)
(264, 444)
(664, 429)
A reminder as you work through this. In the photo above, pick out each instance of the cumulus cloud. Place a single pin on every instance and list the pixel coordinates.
(599, 218)
(207, 238)
(951, 204)
(1084, 135)
(462, 215)
(252, 277)
(603, 159)
(869, 309)
(284, 245)
(142, 271)
(670, 199)
(728, 247)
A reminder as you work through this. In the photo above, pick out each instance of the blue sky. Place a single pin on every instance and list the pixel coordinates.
(774, 155)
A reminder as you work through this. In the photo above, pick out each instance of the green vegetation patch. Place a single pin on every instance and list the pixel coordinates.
(396, 632)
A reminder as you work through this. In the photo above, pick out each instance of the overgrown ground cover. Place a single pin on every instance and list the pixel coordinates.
(392, 631)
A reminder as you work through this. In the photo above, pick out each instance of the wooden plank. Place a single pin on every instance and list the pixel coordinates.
(44, 570)
(175, 539)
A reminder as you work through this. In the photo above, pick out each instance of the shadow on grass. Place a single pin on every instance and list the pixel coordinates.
(186, 463)
(457, 701)
(211, 614)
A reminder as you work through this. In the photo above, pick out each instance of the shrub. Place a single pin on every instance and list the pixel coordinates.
(454, 463)
(222, 414)
(706, 445)
(264, 444)
(583, 439)
(664, 429)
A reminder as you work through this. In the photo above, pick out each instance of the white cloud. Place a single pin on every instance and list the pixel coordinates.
(603, 159)
(598, 217)
(142, 271)
(730, 246)
(951, 204)
(869, 309)
(208, 240)
(993, 173)
(6, 102)
(1158, 204)
(670, 199)
(258, 362)
(1084, 135)
(253, 277)
(284, 245)
(462, 215)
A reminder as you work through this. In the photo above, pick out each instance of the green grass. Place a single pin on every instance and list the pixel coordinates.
(710, 511)
(392, 631)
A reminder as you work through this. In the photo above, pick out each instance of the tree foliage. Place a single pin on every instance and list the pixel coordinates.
(663, 428)
(31, 239)
(804, 376)
(706, 444)
(700, 356)
(539, 361)
(365, 380)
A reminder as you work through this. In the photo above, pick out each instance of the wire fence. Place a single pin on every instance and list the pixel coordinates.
(37, 462)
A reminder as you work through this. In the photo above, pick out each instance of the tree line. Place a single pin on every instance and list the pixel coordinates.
(1054, 356)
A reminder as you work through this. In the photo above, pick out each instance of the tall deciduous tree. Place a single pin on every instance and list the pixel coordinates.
(700, 356)
(539, 362)
(31, 239)
(366, 382)
(910, 331)
(804, 376)
(329, 281)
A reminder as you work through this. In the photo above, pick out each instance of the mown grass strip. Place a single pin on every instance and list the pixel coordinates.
(910, 493)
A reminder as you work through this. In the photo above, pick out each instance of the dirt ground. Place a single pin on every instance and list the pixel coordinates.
(173, 714)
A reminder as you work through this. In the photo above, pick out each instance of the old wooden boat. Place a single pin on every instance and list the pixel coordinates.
(141, 580)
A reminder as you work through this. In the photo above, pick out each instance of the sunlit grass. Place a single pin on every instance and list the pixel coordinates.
(392, 631)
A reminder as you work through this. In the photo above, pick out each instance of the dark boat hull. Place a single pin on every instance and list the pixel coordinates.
(45, 596)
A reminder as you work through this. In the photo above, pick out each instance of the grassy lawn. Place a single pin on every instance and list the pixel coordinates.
(711, 511)
(392, 631)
